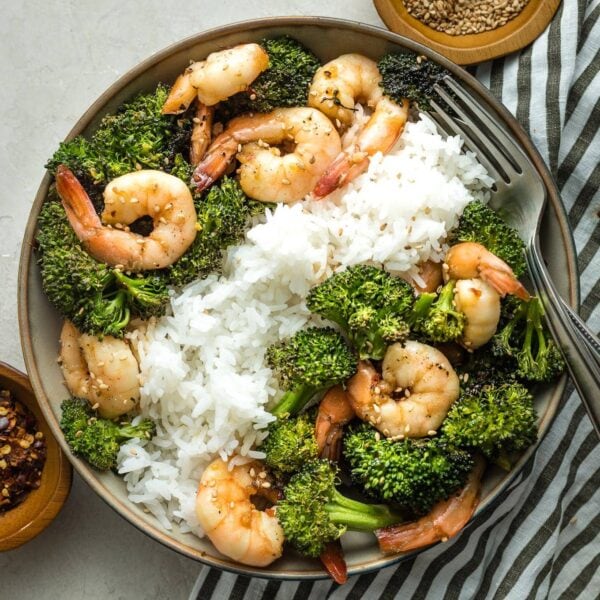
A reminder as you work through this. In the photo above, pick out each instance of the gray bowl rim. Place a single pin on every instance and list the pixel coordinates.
(26, 262)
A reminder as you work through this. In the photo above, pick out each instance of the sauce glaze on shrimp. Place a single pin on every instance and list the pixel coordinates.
(159, 195)
(229, 518)
(335, 90)
(265, 173)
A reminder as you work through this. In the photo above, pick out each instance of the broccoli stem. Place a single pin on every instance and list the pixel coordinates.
(294, 400)
(446, 299)
(358, 516)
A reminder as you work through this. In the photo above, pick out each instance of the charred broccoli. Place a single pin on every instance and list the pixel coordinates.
(370, 305)
(410, 76)
(97, 298)
(314, 513)
(98, 440)
(291, 443)
(479, 223)
(136, 136)
(283, 84)
(415, 473)
(526, 340)
(310, 361)
(222, 216)
(498, 421)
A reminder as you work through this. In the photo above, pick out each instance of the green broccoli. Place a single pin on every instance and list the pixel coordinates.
(291, 443)
(97, 298)
(406, 75)
(310, 361)
(443, 322)
(284, 83)
(223, 214)
(95, 439)
(147, 295)
(479, 223)
(498, 421)
(314, 513)
(526, 340)
(414, 473)
(136, 136)
(370, 305)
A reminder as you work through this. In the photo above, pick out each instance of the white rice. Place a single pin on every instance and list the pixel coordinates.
(205, 381)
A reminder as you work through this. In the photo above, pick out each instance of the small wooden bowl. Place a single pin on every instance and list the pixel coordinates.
(39, 508)
(476, 47)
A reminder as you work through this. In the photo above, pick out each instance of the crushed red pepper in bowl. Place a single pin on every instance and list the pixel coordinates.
(22, 452)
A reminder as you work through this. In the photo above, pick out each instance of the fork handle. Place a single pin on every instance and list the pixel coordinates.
(591, 341)
(577, 342)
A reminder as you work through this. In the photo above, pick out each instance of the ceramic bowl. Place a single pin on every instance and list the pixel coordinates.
(40, 506)
(40, 324)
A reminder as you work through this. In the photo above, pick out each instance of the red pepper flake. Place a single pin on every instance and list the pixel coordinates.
(22, 452)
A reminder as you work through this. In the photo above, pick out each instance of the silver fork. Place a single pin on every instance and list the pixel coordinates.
(520, 193)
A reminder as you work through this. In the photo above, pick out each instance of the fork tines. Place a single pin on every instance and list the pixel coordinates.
(458, 113)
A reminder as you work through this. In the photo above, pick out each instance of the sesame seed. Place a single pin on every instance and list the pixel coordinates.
(407, 428)
(262, 475)
(431, 432)
(266, 484)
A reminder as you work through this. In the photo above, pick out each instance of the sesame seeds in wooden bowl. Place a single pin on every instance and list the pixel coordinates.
(505, 28)
(39, 507)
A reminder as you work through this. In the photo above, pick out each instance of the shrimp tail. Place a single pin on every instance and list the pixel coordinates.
(201, 133)
(342, 170)
(409, 536)
(504, 282)
(333, 560)
(77, 204)
(182, 94)
(214, 163)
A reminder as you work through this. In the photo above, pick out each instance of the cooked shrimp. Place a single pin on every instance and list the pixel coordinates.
(220, 76)
(480, 303)
(201, 133)
(231, 521)
(336, 87)
(419, 385)
(265, 173)
(470, 260)
(335, 411)
(163, 197)
(104, 371)
(444, 521)
(431, 274)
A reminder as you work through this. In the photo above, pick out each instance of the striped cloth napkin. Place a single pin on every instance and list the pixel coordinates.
(543, 538)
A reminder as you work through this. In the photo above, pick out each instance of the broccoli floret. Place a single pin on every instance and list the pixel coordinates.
(136, 136)
(370, 305)
(443, 323)
(314, 513)
(410, 76)
(310, 361)
(98, 299)
(291, 443)
(148, 295)
(98, 440)
(483, 369)
(526, 340)
(222, 216)
(415, 473)
(479, 223)
(283, 84)
(498, 421)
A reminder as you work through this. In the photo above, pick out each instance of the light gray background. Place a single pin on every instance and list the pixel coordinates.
(56, 58)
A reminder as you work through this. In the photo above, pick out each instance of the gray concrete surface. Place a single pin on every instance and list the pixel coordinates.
(56, 58)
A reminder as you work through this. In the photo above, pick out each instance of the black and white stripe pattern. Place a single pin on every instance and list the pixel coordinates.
(543, 538)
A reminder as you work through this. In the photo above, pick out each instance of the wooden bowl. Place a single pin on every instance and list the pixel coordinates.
(40, 324)
(39, 508)
(475, 47)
